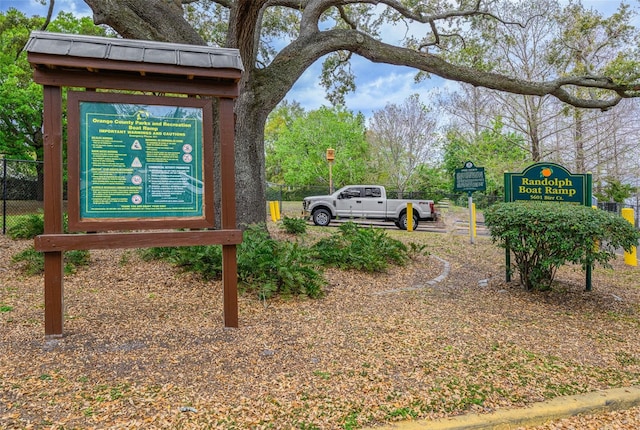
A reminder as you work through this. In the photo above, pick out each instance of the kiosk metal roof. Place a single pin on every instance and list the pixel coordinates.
(143, 51)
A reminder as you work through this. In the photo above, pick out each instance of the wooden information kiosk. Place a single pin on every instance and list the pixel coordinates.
(140, 165)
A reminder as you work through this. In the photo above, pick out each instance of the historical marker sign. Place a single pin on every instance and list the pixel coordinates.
(470, 178)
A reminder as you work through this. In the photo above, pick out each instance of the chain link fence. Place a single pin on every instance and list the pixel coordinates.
(288, 193)
(617, 208)
(21, 190)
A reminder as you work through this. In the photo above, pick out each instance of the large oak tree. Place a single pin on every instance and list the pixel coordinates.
(434, 43)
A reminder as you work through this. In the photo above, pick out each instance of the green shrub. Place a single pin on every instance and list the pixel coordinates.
(30, 226)
(269, 267)
(74, 259)
(204, 260)
(294, 225)
(33, 261)
(367, 249)
(544, 236)
(417, 249)
(27, 227)
(265, 266)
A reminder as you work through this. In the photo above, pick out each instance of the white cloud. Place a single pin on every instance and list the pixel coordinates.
(31, 7)
(376, 86)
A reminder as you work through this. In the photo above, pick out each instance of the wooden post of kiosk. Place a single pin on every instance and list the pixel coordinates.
(53, 260)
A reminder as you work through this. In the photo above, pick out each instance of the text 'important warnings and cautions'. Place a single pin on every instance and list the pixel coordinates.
(140, 161)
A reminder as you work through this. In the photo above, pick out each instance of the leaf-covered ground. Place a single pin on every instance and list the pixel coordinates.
(145, 346)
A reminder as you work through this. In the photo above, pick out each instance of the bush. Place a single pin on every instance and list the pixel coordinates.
(270, 267)
(33, 261)
(265, 266)
(204, 260)
(27, 227)
(294, 225)
(544, 236)
(367, 249)
(30, 226)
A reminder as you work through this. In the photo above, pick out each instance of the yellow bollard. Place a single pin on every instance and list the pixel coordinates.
(409, 216)
(272, 211)
(277, 205)
(473, 212)
(630, 258)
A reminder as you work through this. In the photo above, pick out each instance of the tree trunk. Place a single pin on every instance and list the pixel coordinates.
(250, 166)
(578, 138)
(533, 127)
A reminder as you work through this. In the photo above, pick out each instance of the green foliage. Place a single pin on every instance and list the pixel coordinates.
(22, 99)
(74, 259)
(265, 266)
(296, 149)
(204, 260)
(27, 227)
(615, 191)
(294, 225)
(597, 44)
(433, 182)
(544, 236)
(269, 267)
(21, 107)
(66, 22)
(33, 261)
(32, 225)
(494, 149)
(367, 249)
(417, 249)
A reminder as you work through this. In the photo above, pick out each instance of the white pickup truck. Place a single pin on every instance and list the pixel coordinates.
(366, 201)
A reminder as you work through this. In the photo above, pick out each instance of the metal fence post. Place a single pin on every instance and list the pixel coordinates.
(4, 195)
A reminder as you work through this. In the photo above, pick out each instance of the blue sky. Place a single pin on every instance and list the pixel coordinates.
(377, 84)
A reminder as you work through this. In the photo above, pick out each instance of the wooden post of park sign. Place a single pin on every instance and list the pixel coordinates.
(547, 182)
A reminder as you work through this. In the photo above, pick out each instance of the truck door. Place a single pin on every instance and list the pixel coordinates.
(350, 202)
(373, 205)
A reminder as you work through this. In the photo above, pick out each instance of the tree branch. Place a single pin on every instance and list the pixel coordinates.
(306, 50)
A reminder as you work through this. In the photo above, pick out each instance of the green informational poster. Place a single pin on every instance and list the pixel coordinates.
(140, 161)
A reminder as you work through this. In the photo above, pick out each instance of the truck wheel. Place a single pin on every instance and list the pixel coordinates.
(321, 217)
(402, 222)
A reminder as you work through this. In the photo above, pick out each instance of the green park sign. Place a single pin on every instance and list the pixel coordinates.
(548, 182)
